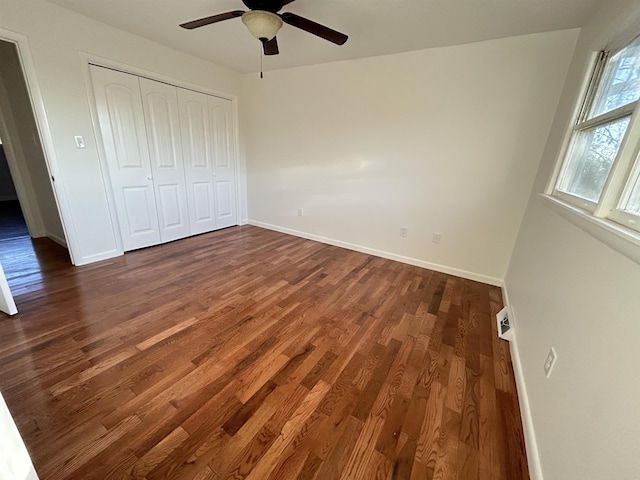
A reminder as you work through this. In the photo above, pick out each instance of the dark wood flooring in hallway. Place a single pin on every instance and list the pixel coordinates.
(29, 264)
(247, 353)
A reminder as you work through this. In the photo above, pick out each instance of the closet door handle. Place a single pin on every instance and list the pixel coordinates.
(149, 177)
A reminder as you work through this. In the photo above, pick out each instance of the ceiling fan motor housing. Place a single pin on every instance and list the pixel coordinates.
(262, 24)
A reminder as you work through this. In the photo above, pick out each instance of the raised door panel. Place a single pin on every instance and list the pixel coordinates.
(160, 102)
(140, 221)
(121, 119)
(196, 148)
(203, 201)
(224, 167)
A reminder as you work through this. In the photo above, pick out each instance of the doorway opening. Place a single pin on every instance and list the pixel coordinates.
(31, 234)
(12, 222)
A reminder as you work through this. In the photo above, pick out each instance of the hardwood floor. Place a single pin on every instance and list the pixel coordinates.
(247, 353)
(29, 264)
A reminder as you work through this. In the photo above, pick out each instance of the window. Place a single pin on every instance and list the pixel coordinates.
(600, 173)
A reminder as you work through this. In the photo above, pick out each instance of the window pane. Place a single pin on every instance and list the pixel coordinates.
(633, 205)
(591, 158)
(620, 84)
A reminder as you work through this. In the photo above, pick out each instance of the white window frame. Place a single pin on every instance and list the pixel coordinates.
(605, 219)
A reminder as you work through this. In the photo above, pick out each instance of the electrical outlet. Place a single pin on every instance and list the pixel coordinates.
(404, 231)
(437, 237)
(300, 212)
(550, 362)
(79, 140)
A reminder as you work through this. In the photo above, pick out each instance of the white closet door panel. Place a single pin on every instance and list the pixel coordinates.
(203, 211)
(140, 220)
(196, 147)
(160, 102)
(224, 158)
(224, 194)
(170, 203)
(123, 131)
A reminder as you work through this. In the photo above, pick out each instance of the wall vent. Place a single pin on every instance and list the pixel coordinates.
(504, 320)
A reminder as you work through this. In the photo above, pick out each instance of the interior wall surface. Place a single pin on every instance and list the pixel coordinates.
(572, 292)
(442, 141)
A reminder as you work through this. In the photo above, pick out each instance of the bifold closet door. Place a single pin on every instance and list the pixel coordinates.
(160, 103)
(170, 156)
(196, 148)
(122, 124)
(224, 168)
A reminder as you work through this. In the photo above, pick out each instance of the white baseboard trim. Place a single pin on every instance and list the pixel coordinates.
(99, 257)
(531, 444)
(533, 457)
(478, 277)
(59, 240)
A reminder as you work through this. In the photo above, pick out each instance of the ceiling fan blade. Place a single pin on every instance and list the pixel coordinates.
(209, 20)
(270, 47)
(314, 28)
(286, 2)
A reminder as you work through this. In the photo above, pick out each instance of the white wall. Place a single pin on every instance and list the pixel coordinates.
(443, 140)
(56, 37)
(25, 140)
(570, 291)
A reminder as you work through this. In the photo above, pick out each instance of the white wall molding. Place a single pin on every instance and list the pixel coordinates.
(60, 241)
(478, 277)
(531, 443)
(98, 257)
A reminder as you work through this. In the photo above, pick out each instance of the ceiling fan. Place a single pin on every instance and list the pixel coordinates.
(264, 21)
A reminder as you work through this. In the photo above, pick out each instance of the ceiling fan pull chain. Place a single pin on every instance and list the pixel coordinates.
(261, 57)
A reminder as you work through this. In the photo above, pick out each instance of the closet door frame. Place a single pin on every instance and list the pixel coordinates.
(89, 59)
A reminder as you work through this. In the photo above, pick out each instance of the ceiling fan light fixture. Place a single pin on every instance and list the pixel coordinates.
(262, 24)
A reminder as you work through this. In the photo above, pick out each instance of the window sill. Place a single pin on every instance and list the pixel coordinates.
(621, 239)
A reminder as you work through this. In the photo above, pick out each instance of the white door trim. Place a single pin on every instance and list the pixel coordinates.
(7, 304)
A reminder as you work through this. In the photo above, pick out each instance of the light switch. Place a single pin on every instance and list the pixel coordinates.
(80, 141)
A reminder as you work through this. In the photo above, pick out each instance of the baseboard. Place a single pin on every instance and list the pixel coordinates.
(99, 257)
(478, 277)
(531, 444)
(59, 240)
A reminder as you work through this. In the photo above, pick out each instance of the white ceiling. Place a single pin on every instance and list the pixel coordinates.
(375, 27)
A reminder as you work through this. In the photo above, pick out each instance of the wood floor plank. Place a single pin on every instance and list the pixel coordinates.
(250, 354)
